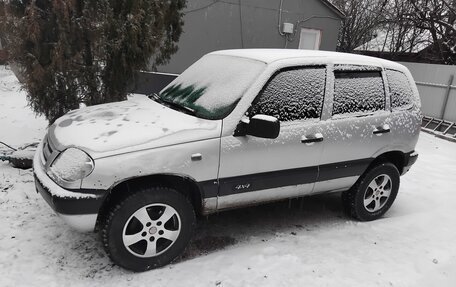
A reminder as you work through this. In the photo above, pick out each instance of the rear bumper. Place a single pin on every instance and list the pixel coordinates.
(409, 159)
(77, 209)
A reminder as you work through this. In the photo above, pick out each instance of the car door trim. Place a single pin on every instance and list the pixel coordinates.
(281, 178)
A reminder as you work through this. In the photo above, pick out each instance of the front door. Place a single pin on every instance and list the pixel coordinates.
(253, 169)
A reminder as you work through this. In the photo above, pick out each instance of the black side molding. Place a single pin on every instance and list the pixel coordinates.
(280, 178)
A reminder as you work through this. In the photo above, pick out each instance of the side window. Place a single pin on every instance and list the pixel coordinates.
(400, 90)
(358, 91)
(292, 94)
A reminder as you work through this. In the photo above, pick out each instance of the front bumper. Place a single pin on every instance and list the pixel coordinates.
(77, 209)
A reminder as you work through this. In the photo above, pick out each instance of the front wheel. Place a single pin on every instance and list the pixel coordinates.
(373, 194)
(148, 229)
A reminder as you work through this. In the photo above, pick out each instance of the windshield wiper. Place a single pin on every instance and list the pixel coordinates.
(154, 97)
(171, 104)
(176, 106)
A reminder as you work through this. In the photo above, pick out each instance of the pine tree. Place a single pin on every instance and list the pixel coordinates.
(86, 51)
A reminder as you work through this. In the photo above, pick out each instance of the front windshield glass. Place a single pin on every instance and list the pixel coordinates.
(212, 86)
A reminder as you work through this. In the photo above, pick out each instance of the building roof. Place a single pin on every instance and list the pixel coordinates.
(332, 7)
(192, 7)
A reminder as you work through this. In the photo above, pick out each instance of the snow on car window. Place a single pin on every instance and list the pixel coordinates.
(292, 94)
(400, 90)
(213, 85)
(358, 92)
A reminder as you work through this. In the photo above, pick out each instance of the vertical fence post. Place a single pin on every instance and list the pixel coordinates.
(447, 95)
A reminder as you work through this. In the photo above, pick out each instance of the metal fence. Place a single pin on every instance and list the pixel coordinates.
(437, 88)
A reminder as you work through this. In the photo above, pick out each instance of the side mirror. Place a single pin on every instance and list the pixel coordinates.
(261, 126)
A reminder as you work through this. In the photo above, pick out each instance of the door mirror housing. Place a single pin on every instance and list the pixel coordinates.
(261, 126)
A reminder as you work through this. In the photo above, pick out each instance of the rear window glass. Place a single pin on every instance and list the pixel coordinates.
(358, 92)
(293, 94)
(400, 90)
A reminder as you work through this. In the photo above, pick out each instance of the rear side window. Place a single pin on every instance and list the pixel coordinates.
(358, 92)
(400, 90)
(293, 94)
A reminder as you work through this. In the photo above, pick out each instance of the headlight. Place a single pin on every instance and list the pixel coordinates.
(71, 165)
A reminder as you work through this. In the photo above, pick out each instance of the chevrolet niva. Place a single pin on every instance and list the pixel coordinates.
(237, 128)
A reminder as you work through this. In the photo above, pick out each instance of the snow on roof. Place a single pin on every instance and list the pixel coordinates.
(385, 42)
(271, 55)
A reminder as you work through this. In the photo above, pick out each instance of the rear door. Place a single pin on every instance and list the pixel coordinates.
(356, 127)
(255, 169)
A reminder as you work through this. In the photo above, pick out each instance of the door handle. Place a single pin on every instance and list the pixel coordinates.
(196, 157)
(318, 137)
(382, 129)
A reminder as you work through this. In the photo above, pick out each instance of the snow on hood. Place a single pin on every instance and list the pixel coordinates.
(129, 125)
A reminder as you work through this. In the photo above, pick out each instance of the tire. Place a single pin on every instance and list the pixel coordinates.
(156, 225)
(373, 193)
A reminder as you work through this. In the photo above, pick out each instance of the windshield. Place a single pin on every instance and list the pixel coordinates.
(212, 86)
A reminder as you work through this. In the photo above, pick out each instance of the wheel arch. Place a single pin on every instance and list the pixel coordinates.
(181, 183)
(395, 157)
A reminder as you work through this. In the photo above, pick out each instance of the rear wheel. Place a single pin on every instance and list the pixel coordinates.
(148, 229)
(373, 194)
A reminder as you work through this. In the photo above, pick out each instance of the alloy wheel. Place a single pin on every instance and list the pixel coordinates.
(377, 193)
(151, 230)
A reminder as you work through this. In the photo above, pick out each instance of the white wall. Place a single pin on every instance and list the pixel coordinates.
(234, 24)
(432, 82)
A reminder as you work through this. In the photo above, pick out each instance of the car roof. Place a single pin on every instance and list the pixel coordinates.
(272, 55)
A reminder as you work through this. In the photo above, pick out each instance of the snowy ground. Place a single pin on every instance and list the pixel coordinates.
(306, 243)
(17, 121)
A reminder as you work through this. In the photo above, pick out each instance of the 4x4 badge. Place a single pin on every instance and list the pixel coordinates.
(242, 186)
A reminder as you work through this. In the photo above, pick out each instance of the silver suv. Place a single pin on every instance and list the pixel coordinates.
(237, 128)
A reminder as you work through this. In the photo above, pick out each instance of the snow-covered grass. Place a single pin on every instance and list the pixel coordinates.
(18, 124)
(306, 242)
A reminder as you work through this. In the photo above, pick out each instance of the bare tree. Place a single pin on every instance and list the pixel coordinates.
(400, 27)
(399, 34)
(363, 19)
(439, 18)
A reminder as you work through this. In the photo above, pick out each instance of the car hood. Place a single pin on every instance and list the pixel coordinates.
(136, 124)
